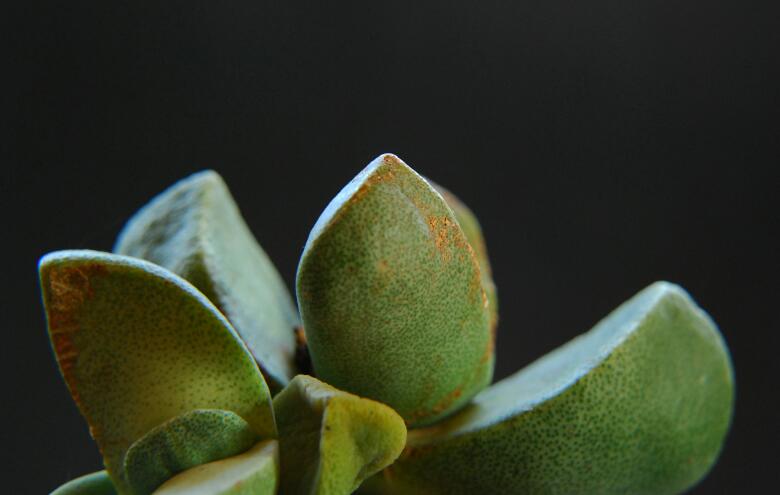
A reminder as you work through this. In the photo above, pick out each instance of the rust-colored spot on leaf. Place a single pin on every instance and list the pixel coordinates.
(476, 288)
(412, 451)
(363, 190)
(437, 408)
(448, 400)
(300, 336)
(69, 288)
(382, 266)
(302, 357)
(443, 232)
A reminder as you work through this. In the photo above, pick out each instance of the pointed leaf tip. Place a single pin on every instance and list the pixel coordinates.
(391, 296)
(195, 229)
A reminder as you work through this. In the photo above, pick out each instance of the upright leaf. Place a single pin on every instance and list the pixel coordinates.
(195, 229)
(391, 296)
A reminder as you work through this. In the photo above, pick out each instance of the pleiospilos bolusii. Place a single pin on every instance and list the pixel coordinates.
(195, 230)
(391, 296)
(640, 404)
(138, 346)
(330, 440)
(400, 311)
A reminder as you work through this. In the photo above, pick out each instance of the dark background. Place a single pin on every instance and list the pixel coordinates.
(603, 144)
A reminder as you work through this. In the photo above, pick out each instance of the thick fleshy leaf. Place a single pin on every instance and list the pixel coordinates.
(473, 231)
(330, 441)
(195, 229)
(640, 404)
(137, 346)
(186, 441)
(391, 297)
(255, 472)
(98, 483)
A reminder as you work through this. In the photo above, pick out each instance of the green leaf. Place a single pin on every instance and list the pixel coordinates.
(640, 404)
(138, 345)
(330, 441)
(473, 231)
(98, 483)
(255, 472)
(195, 229)
(391, 296)
(194, 438)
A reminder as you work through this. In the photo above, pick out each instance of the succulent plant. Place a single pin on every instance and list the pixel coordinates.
(186, 356)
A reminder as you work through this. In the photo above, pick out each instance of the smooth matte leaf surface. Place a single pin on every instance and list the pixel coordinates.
(391, 296)
(330, 441)
(255, 472)
(186, 441)
(137, 346)
(640, 404)
(196, 230)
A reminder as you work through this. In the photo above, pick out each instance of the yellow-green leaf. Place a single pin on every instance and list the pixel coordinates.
(330, 441)
(255, 472)
(137, 346)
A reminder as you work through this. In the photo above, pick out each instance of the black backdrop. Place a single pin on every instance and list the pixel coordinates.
(603, 144)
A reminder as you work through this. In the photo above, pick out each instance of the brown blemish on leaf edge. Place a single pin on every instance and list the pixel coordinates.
(69, 287)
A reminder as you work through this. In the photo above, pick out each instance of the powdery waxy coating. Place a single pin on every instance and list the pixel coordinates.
(473, 231)
(330, 441)
(196, 230)
(255, 472)
(391, 296)
(98, 483)
(640, 404)
(194, 438)
(138, 345)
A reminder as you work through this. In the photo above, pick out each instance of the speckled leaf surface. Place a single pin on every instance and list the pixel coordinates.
(137, 346)
(640, 404)
(98, 483)
(330, 441)
(196, 230)
(255, 472)
(391, 296)
(194, 438)
(473, 231)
